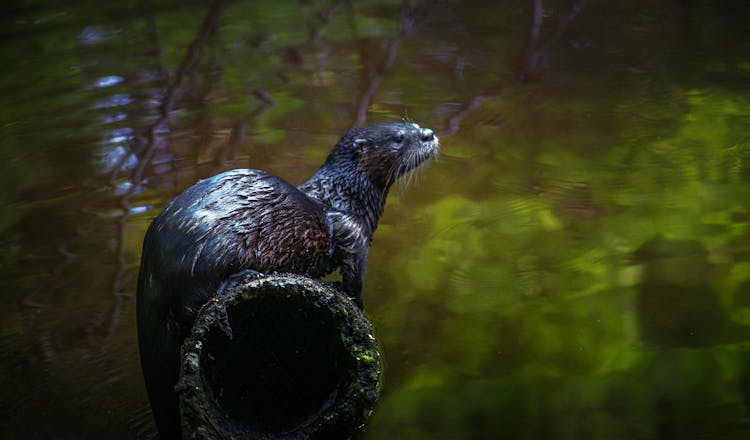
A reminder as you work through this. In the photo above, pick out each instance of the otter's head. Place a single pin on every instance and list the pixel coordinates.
(385, 152)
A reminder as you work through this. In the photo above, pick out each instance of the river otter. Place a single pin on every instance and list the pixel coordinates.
(249, 220)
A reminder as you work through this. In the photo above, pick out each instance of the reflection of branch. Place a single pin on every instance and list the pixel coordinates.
(408, 27)
(320, 19)
(120, 277)
(195, 50)
(474, 103)
(237, 136)
(153, 142)
(563, 24)
(532, 58)
(537, 51)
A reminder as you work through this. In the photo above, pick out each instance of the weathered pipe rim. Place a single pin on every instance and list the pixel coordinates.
(338, 419)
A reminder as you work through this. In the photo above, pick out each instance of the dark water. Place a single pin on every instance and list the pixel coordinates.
(576, 265)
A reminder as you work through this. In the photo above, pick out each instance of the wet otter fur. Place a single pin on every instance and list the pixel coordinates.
(249, 220)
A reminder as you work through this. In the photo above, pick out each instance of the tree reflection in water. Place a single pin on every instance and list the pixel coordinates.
(522, 298)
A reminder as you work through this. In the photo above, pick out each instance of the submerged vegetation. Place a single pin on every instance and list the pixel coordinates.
(576, 264)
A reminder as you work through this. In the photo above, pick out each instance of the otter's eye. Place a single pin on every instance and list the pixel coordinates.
(399, 137)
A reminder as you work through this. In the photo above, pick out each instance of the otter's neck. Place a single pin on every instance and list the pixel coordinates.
(345, 187)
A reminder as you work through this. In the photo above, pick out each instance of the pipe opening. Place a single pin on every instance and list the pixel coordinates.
(284, 365)
(302, 363)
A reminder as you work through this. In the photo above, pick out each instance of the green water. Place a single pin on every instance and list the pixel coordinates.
(575, 265)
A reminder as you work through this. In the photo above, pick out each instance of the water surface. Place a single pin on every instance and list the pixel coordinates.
(576, 264)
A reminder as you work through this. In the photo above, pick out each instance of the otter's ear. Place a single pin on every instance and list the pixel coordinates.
(360, 144)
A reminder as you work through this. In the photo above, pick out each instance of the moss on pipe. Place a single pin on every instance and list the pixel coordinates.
(279, 357)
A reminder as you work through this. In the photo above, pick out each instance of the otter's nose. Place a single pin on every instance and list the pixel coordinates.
(426, 135)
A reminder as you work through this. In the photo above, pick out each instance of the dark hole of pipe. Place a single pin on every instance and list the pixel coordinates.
(284, 365)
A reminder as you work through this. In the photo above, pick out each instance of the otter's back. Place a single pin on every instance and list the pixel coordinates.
(240, 219)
